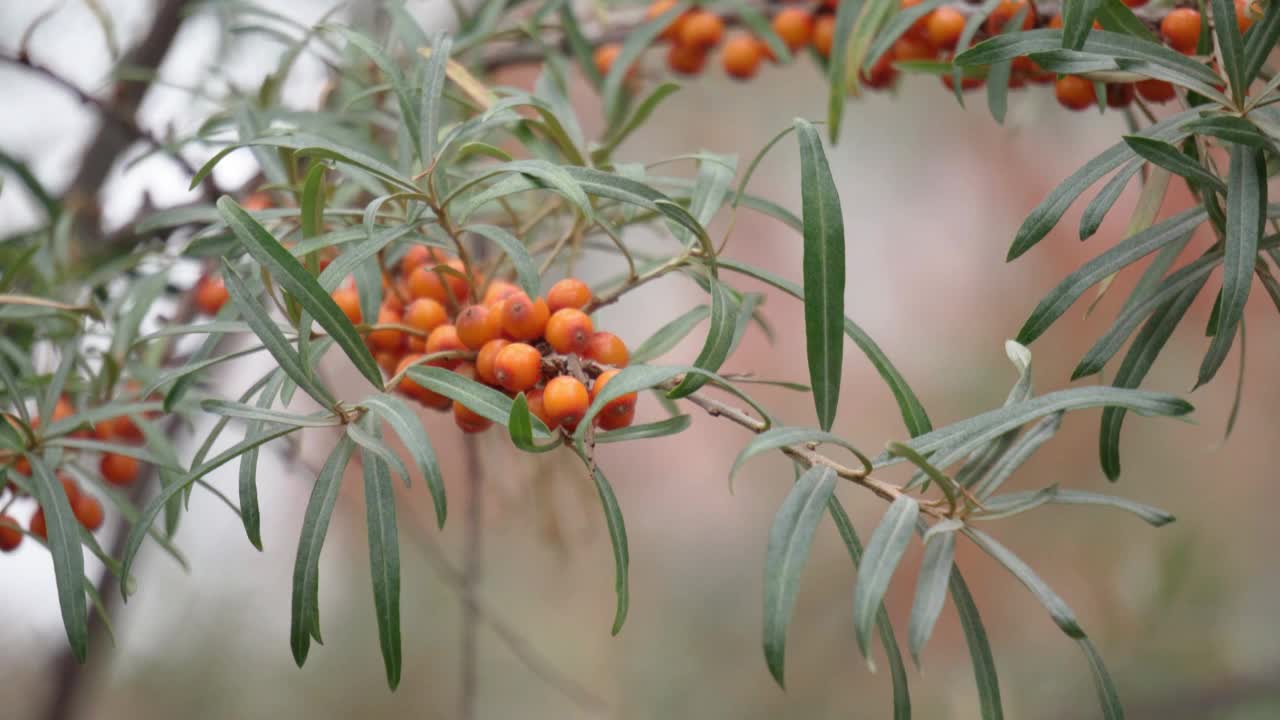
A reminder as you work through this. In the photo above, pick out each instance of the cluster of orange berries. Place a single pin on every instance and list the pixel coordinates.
(118, 470)
(545, 347)
(934, 36)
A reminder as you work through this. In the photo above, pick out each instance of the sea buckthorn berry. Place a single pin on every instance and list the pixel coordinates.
(518, 367)
(412, 389)
(569, 331)
(524, 319)
(257, 200)
(741, 56)
(616, 417)
(686, 59)
(36, 525)
(608, 349)
(606, 54)
(387, 361)
(69, 488)
(1156, 91)
(485, 369)
(425, 315)
(565, 400)
(908, 48)
(1119, 95)
(966, 83)
(348, 301)
(918, 28)
(1135, 3)
(702, 29)
(415, 257)
(1244, 18)
(88, 511)
(536, 407)
(824, 34)
(118, 469)
(390, 299)
(1074, 92)
(478, 325)
(1005, 12)
(386, 340)
(121, 427)
(656, 10)
(1181, 29)
(943, 26)
(498, 291)
(618, 406)
(881, 75)
(568, 293)
(10, 535)
(211, 294)
(445, 339)
(794, 26)
(468, 420)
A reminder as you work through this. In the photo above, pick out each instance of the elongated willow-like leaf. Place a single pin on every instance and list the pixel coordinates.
(62, 531)
(789, 540)
(724, 314)
(305, 622)
(1231, 47)
(405, 422)
(823, 274)
(781, 437)
(884, 550)
(384, 555)
(931, 590)
(1077, 19)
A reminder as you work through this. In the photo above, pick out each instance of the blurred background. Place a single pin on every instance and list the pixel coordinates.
(932, 194)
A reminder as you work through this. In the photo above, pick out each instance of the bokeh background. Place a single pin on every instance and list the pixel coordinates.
(932, 194)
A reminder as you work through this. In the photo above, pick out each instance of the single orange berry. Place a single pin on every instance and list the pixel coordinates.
(1005, 12)
(524, 319)
(656, 10)
(824, 34)
(686, 59)
(469, 420)
(498, 291)
(616, 417)
(257, 200)
(907, 48)
(565, 400)
(606, 54)
(536, 406)
(518, 367)
(568, 293)
(36, 525)
(795, 26)
(412, 389)
(88, 511)
(425, 315)
(943, 27)
(1244, 16)
(387, 361)
(741, 56)
(445, 339)
(1119, 95)
(1156, 91)
(415, 257)
(70, 489)
(701, 28)
(120, 428)
(618, 412)
(881, 75)
(966, 83)
(10, 535)
(608, 349)
(477, 325)
(348, 300)
(118, 469)
(211, 294)
(1181, 29)
(386, 340)
(485, 369)
(569, 331)
(1075, 92)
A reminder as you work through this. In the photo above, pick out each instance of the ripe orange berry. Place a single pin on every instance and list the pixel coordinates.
(524, 319)
(908, 48)
(1119, 95)
(824, 34)
(10, 535)
(1075, 92)
(702, 29)
(121, 428)
(348, 301)
(606, 54)
(518, 367)
(686, 59)
(1244, 18)
(390, 299)
(943, 27)
(568, 293)
(412, 389)
(537, 408)
(119, 470)
(569, 331)
(565, 400)
(918, 28)
(608, 349)
(1134, 3)
(70, 489)
(36, 525)
(656, 10)
(468, 420)
(445, 339)
(794, 26)
(1181, 29)
(1004, 13)
(1056, 23)
(966, 83)
(387, 361)
(477, 325)
(63, 409)
(211, 294)
(741, 56)
(425, 314)
(88, 511)
(618, 412)
(432, 281)
(257, 200)
(415, 257)
(881, 75)
(485, 369)
(498, 291)
(386, 340)
(1156, 91)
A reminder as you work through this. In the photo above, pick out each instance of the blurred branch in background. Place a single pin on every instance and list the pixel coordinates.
(1214, 698)
(468, 655)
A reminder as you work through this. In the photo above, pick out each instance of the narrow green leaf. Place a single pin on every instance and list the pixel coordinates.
(250, 514)
(781, 437)
(67, 355)
(639, 39)
(1231, 129)
(373, 443)
(638, 118)
(839, 65)
(1077, 20)
(896, 27)
(1170, 158)
(669, 335)
(526, 270)
(998, 74)
(1260, 41)
(1057, 607)
(295, 279)
(433, 94)
(724, 311)
(662, 428)
(384, 553)
(1108, 696)
(405, 422)
(1246, 214)
(884, 550)
(975, 634)
(1231, 47)
(790, 538)
(931, 590)
(63, 531)
(618, 540)
(1116, 17)
(242, 411)
(312, 204)
(1018, 452)
(481, 399)
(520, 427)
(971, 27)
(305, 617)
(823, 274)
(391, 70)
